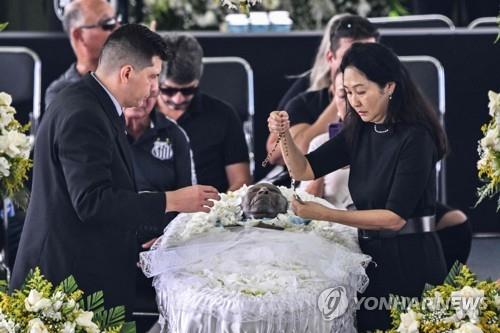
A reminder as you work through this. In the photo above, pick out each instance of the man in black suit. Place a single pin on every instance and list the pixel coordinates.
(84, 208)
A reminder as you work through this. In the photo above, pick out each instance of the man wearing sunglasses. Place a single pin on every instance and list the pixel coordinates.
(215, 132)
(88, 24)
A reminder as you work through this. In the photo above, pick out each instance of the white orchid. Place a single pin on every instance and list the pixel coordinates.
(4, 167)
(84, 319)
(68, 327)
(6, 116)
(409, 322)
(466, 302)
(494, 104)
(468, 328)
(5, 99)
(15, 144)
(36, 325)
(36, 302)
(6, 325)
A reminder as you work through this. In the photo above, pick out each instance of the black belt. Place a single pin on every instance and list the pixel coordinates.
(414, 225)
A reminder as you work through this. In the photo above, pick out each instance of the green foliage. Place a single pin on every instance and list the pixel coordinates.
(453, 273)
(95, 302)
(55, 307)
(68, 285)
(3, 25)
(111, 318)
(4, 286)
(436, 312)
(35, 280)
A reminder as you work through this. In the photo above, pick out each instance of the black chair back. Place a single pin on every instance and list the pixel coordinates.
(231, 80)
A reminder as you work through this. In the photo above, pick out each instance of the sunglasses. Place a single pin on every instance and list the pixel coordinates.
(170, 91)
(106, 24)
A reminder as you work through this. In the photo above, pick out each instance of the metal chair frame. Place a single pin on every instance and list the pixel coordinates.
(37, 81)
(484, 22)
(441, 165)
(412, 18)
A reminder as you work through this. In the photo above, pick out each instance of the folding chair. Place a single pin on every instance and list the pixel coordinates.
(21, 78)
(428, 73)
(231, 80)
(413, 21)
(484, 22)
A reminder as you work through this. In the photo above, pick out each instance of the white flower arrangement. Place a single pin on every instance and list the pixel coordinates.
(489, 152)
(15, 148)
(462, 304)
(227, 212)
(38, 307)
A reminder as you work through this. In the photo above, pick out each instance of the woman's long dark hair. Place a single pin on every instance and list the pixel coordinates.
(407, 105)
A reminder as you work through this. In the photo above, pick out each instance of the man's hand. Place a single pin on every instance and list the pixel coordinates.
(196, 198)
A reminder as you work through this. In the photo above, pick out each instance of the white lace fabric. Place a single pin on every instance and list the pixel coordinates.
(213, 279)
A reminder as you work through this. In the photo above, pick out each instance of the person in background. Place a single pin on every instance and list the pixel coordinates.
(215, 132)
(344, 31)
(391, 140)
(162, 162)
(88, 24)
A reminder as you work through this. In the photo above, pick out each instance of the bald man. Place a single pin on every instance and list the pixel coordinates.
(88, 24)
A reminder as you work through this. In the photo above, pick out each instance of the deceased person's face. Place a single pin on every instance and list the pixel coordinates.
(264, 201)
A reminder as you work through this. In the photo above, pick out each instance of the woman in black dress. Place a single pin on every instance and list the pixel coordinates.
(392, 140)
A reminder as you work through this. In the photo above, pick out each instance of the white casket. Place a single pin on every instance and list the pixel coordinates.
(211, 278)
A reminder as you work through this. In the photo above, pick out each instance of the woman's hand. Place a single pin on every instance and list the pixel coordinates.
(278, 122)
(309, 210)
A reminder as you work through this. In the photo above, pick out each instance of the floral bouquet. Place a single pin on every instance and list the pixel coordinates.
(462, 304)
(14, 153)
(242, 5)
(489, 153)
(40, 308)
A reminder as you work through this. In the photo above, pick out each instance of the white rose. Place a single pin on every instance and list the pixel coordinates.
(468, 328)
(5, 99)
(15, 144)
(35, 302)
(496, 144)
(497, 301)
(409, 322)
(7, 326)
(4, 167)
(468, 291)
(494, 104)
(68, 327)
(6, 115)
(489, 139)
(84, 320)
(36, 326)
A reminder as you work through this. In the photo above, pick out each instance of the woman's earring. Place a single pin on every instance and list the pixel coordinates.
(390, 96)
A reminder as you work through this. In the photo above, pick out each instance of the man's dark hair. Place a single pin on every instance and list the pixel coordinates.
(132, 44)
(351, 26)
(184, 63)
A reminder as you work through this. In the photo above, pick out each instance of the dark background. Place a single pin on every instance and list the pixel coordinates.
(469, 57)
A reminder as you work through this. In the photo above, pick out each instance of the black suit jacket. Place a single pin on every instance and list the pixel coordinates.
(84, 208)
